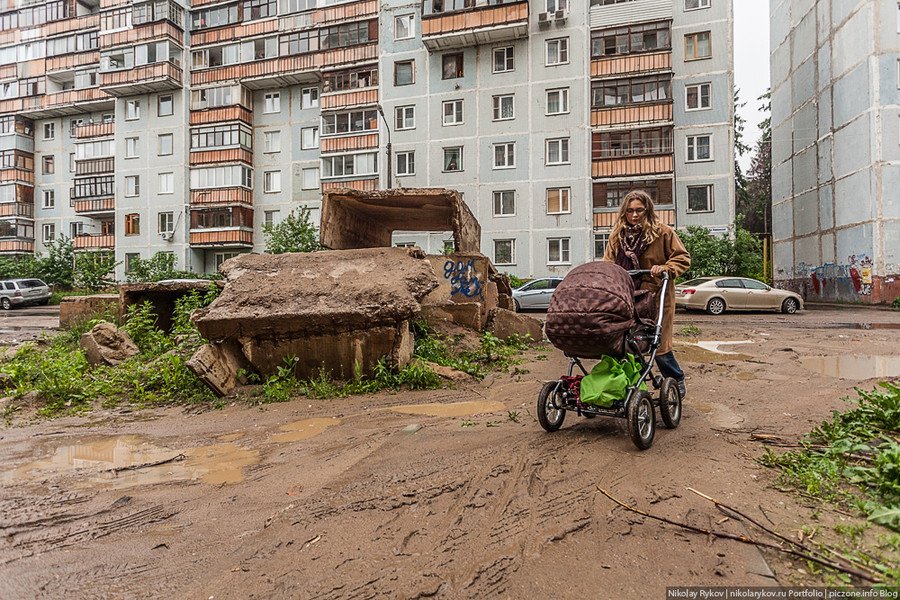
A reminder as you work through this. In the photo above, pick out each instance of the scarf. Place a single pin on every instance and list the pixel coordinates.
(632, 243)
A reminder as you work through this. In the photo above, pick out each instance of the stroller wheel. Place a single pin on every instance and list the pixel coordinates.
(670, 403)
(549, 416)
(641, 419)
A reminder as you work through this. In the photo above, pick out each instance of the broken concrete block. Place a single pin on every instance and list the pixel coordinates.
(463, 277)
(105, 344)
(73, 309)
(219, 366)
(468, 314)
(505, 323)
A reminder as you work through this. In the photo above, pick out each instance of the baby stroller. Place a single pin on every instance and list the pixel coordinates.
(596, 312)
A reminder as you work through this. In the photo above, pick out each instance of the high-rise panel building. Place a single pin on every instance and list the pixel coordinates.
(835, 148)
(140, 127)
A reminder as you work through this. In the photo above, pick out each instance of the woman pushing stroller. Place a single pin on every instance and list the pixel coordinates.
(640, 241)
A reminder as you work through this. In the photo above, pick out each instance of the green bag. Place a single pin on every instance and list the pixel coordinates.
(608, 380)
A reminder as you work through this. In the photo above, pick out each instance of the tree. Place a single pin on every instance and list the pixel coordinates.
(295, 233)
(755, 205)
(737, 254)
(161, 266)
(93, 269)
(58, 267)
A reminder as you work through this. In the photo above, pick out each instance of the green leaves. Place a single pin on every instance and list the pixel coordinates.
(738, 254)
(295, 233)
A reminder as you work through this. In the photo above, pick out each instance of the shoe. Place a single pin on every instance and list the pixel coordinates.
(681, 389)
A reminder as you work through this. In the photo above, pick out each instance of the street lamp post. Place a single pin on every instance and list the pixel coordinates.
(387, 148)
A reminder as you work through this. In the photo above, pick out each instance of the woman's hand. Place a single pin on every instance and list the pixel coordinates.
(657, 270)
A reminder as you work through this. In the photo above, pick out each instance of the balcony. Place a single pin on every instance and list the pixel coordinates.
(71, 24)
(347, 99)
(72, 61)
(632, 64)
(157, 77)
(218, 115)
(142, 33)
(17, 209)
(94, 241)
(616, 117)
(91, 188)
(623, 166)
(68, 102)
(365, 185)
(231, 155)
(96, 207)
(222, 238)
(607, 218)
(17, 174)
(349, 143)
(17, 246)
(230, 33)
(221, 197)
(473, 25)
(95, 166)
(92, 130)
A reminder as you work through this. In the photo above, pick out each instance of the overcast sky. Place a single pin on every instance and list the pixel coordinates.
(751, 64)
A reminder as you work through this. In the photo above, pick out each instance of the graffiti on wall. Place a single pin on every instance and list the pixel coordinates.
(464, 280)
(842, 282)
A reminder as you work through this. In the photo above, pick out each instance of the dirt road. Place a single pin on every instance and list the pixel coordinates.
(455, 493)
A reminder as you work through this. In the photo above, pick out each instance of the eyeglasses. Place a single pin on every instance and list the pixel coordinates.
(635, 211)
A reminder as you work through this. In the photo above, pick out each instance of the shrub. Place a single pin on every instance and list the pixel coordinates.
(295, 233)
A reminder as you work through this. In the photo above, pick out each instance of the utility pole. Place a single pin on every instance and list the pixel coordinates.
(387, 148)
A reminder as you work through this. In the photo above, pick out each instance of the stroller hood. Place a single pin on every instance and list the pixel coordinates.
(591, 311)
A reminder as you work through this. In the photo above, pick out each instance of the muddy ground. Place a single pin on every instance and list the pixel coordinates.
(454, 493)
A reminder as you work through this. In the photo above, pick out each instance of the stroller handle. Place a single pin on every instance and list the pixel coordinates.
(662, 294)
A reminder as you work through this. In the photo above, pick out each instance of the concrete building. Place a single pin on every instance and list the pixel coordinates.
(138, 127)
(835, 148)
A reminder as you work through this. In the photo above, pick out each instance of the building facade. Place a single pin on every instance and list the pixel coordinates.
(836, 148)
(136, 127)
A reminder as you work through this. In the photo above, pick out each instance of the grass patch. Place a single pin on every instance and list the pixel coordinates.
(689, 330)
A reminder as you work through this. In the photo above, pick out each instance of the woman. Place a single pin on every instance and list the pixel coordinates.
(640, 241)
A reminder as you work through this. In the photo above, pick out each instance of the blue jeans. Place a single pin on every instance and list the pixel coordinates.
(668, 366)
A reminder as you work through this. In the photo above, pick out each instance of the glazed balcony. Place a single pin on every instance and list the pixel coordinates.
(347, 99)
(219, 115)
(346, 11)
(94, 241)
(230, 155)
(462, 23)
(146, 79)
(365, 185)
(95, 166)
(71, 61)
(16, 246)
(636, 165)
(658, 113)
(68, 102)
(92, 130)
(142, 33)
(230, 33)
(222, 238)
(17, 209)
(633, 64)
(16, 174)
(72, 24)
(91, 188)
(606, 219)
(22, 194)
(96, 207)
(348, 143)
(221, 197)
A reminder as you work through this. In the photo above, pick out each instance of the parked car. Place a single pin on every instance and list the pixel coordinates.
(20, 292)
(535, 294)
(715, 295)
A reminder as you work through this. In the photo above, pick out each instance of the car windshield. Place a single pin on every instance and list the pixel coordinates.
(32, 283)
(697, 281)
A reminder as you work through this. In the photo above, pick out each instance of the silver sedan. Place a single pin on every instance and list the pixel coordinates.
(535, 294)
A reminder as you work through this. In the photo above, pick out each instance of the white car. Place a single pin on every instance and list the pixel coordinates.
(535, 294)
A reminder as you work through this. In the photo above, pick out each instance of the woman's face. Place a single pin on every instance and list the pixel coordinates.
(634, 212)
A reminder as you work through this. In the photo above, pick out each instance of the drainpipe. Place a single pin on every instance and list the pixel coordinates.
(387, 148)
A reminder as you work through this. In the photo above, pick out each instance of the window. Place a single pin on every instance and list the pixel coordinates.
(309, 138)
(48, 164)
(557, 52)
(453, 159)
(404, 73)
(166, 222)
(272, 141)
(503, 59)
(272, 182)
(558, 251)
(131, 147)
(49, 199)
(699, 148)
(165, 106)
(700, 198)
(130, 258)
(273, 103)
(404, 27)
(222, 136)
(504, 252)
(504, 203)
(309, 98)
(505, 155)
(406, 163)
(310, 178)
(132, 224)
(630, 91)
(49, 232)
(258, 9)
(345, 79)
(404, 117)
(76, 228)
(452, 65)
(220, 177)
(558, 151)
(350, 164)
(356, 120)
(601, 241)
(165, 144)
(49, 131)
(696, 46)
(697, 97)
(166, 183)
(132, 110)
(631, 143)
(504, 107)
(453, 112)
(558, 201)
(692, 4)
(558, 101)
(71, 162)
(646, 37)
(555, 5)
(132, 185)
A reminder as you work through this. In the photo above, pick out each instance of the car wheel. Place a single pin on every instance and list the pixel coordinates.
(5, 303)
(716, 306)
(790, 306)
(518, 308)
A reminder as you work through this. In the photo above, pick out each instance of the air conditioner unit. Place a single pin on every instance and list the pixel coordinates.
(561, 15)
(167, 235)
(545, 18)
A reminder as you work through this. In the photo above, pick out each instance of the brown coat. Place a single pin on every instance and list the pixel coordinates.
(666, 250)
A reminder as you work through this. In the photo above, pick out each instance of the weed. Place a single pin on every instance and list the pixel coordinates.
(468, 424)
(513, 415)
(896, 302)
(689, 330)
(140, 324)
(853, 531)
(493, 423)
(540, 357)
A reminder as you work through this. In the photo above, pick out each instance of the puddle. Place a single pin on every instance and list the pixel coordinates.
(718, 415)
(95, 458)
(873, 325)
(717, 346)
(698, 354)
(301, 430)
(457, 409)
(853, 367)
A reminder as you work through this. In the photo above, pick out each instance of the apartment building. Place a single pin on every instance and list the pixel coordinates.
(836, 148)
(138, 127)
